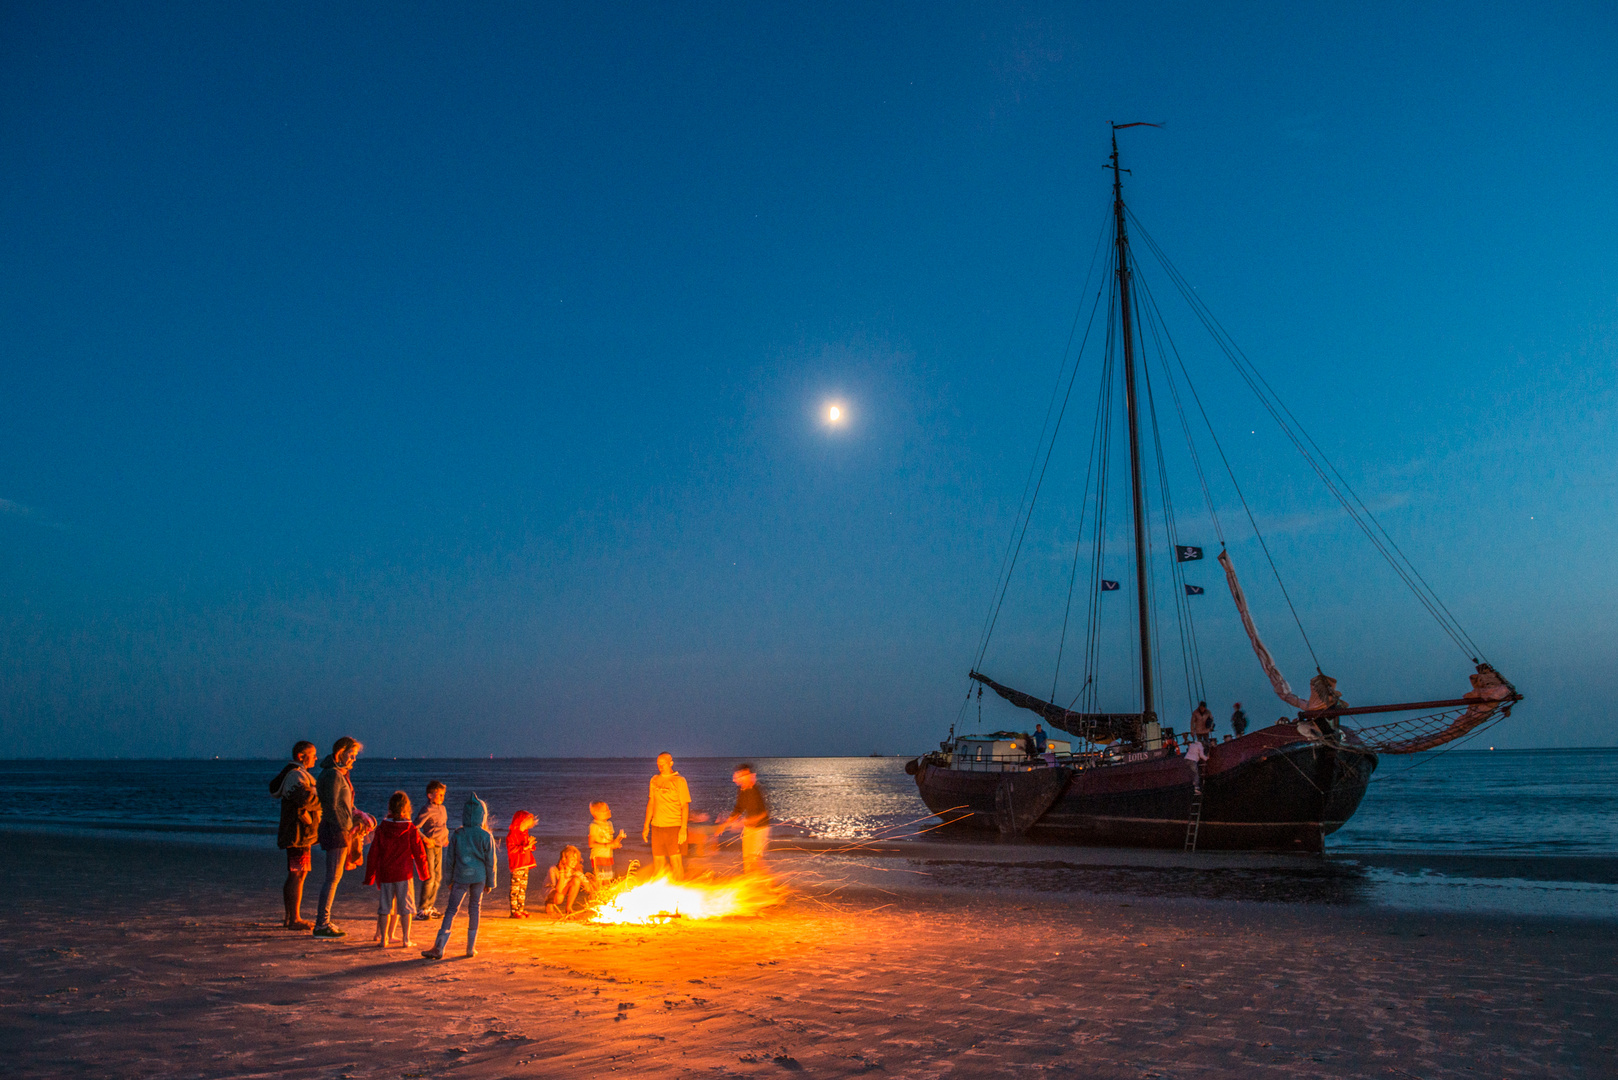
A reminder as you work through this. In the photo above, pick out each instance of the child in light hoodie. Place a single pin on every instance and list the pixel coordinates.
(470, 866)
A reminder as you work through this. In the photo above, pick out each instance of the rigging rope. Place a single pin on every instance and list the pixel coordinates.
(1234, 483)
(1078, 539)
(1194, 687)
(1102, 443)
(1190, 654)
(1009, 564)
(1318, 461)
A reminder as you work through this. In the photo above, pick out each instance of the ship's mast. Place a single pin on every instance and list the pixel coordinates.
(1121, 240)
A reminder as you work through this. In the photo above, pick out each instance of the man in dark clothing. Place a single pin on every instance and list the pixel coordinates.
(336, 820)
(300, 824)
(752, 815)
(1041, 740)
(1238, 720)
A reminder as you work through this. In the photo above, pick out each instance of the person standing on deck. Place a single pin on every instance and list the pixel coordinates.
(1238, 720)
(1041, 740)
(336, 822)
(1202, 721)
(752, 816)
(668, 811)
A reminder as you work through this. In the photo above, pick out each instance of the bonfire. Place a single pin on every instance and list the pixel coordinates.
(663, 898)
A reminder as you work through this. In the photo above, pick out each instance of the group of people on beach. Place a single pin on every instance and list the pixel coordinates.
(413, 855)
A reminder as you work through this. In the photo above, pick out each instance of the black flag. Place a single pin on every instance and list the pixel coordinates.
(1108, 586)
(1187, 554)
(1193, 590)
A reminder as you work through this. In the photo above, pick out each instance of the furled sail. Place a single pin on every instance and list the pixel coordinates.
(1097, 727)
(1277, 680)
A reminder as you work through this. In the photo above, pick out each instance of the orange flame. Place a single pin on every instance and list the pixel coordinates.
(663, 898)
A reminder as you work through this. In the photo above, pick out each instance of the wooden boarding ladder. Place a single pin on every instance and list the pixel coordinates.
(1193, 822)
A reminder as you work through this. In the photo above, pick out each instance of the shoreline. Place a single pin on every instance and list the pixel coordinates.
(1579, 868)
(1570, 889)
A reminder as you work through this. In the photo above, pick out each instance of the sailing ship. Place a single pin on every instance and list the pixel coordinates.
(1126, 778)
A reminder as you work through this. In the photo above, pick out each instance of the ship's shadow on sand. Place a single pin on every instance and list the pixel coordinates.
(1325, 883)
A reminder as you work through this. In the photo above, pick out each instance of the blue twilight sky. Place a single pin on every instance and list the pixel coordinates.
(451, 375)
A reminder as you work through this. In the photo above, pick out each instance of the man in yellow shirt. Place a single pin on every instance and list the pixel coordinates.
(668, 810)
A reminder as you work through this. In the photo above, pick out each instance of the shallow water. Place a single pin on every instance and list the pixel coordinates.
(1562, 802)
(830, 797)
(1542, 802)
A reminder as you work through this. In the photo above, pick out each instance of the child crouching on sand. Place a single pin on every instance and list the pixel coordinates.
(519, 860)
(470, 866)
(602, 842)
(397, 861)
(565, 881)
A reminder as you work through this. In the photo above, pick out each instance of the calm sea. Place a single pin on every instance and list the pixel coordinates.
(1519, 802)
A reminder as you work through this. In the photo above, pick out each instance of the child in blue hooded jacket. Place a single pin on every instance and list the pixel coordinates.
(469, 864)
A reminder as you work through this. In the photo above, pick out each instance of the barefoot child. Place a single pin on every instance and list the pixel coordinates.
(602, 842)
(470, 866)
(519, 860)
(397, 861)
(565, 881)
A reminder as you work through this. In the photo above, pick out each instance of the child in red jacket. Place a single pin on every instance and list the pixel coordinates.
(519, 860)
(398, 859)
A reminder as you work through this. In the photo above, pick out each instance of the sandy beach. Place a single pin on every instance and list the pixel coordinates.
(126, 958)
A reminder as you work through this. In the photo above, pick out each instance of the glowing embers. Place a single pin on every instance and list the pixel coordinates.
(662, 899)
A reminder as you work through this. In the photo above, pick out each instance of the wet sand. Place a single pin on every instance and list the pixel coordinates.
(128, 958)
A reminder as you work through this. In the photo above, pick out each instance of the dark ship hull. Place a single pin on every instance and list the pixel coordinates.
(1271, 790)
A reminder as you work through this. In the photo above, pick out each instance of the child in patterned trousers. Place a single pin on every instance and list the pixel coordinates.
(520, 859)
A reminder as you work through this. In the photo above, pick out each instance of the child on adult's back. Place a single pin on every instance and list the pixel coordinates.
(398, 860)
(470, 864)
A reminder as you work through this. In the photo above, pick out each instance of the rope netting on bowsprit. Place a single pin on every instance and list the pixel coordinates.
(1491, 697)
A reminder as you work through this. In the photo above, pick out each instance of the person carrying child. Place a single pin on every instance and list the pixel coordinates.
(337, 821)
(565, 881)
(433, 824)
(520, 859)
(470, 864)
(603, 843)
(398, 860)
(294, 786)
